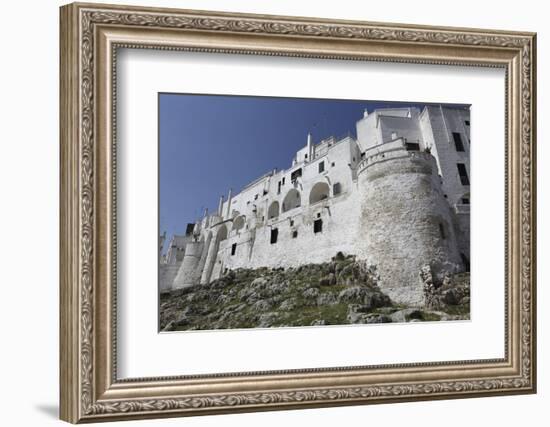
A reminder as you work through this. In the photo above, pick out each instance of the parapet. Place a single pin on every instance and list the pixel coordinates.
(399, 149)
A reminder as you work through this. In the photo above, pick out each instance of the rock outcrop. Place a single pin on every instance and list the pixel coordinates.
(343, 291)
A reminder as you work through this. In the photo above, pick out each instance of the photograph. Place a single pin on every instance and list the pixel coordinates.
(299, 212)
(272, 209)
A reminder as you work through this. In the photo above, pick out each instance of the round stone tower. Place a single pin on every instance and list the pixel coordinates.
(188, 273)
(406, 222)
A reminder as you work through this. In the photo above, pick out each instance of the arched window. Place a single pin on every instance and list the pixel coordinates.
(292, 200)
(273, 211)
(320, 191)
(222, 233)
(238, 222)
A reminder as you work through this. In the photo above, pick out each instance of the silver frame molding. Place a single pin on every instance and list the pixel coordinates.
(90, 37)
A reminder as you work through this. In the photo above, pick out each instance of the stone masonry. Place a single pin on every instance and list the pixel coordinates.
(397, 196)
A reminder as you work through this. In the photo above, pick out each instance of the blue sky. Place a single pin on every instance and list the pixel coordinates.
(211, 143)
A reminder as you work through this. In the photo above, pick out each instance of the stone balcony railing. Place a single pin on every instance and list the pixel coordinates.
(462, 209)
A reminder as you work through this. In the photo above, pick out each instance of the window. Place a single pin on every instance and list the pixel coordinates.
(255, 197)
(279, 187)
(239, 222)
(273, 211)
(337, 188)
(412, 146)
(319, 215)
(458, 141)
(333, 164)
(283, 180)
(463, 174)
(465, 261)
(291, 222)
(233, 249)
(321, 167)
(442, 231)
(296, 174)
(467, 122)
(320, 191)
(465, 200)
(318, 226)
(294, 234)
(274, 235)
(306, 156)
(292, 200)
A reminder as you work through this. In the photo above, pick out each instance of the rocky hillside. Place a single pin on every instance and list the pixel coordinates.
(343, 291)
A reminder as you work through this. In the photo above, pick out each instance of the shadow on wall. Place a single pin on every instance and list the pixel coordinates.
(51, 410)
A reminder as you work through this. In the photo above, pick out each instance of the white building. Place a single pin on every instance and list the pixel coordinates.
(397, 196)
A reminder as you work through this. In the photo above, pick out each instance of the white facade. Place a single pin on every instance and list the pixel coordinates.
(394, 196)
(170, 261)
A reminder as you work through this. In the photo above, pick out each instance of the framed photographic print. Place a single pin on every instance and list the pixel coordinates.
(266, 212)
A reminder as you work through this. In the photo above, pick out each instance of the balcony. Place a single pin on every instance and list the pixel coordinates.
(462, 209)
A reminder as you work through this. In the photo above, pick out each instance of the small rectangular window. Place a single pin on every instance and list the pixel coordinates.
(412, 146)
(279, 187)
(283, 180)
(294, 234)
(463, 174)
(333, 164)
(274, 235)
(442, 231)
(458, 141)
(296, 174)
(465, 200)
(465, 261)
(291, 222)
(337, 188)
(255, 197)
(318, 226)
(233, 249)
(321, 167)
(467, 122)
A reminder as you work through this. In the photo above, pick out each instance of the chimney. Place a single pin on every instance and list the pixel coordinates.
(220, 206)
(309, 147)
(229, 203)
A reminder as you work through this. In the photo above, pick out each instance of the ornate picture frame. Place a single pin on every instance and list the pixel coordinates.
(90, 37)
